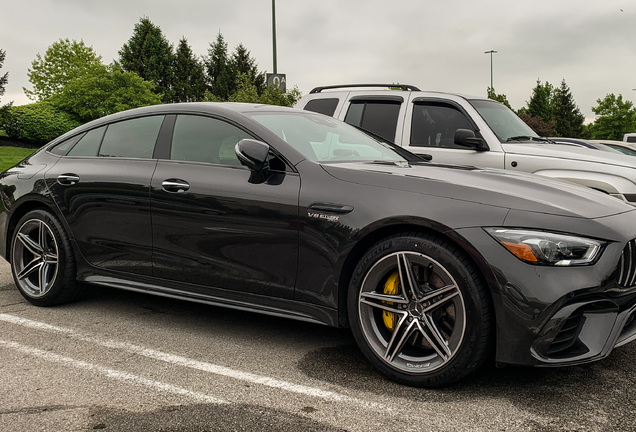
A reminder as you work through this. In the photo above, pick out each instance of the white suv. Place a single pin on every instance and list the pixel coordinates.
(468, 130)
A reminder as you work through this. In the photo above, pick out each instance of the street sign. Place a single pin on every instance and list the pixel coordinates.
(278, 80)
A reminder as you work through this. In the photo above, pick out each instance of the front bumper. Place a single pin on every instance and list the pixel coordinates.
(556, 316)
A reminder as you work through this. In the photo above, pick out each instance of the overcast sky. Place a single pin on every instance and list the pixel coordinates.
(432, 44)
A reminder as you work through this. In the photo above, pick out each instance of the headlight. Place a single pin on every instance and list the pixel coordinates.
(544, 248)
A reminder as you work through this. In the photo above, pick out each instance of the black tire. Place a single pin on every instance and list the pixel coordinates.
(420, 311)
(42, 260)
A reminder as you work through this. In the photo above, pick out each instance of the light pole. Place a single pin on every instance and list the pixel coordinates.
(491, 52)
(634, 90)
(274, 32)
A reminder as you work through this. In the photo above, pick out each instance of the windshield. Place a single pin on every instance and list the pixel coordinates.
(503, 122)
(323, 139)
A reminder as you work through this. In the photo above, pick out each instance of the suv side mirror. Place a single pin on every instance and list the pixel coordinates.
(254, 155)
(467, 138)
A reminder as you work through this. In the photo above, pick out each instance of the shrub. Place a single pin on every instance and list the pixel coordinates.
(38, 123)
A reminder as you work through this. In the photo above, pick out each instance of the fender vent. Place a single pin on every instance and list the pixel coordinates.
(627, 266)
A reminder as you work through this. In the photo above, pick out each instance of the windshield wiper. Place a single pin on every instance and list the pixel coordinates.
(529, 138)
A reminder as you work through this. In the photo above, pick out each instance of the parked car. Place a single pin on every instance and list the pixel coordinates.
(466, 130)
(621, 146)
(292, 213)
(578, 142)
(629, 137)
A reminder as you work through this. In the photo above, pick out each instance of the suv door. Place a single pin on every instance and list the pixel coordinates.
(214, 229)
(430, 128)
(102, 186)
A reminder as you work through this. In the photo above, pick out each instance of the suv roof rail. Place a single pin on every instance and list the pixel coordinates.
(404, 87)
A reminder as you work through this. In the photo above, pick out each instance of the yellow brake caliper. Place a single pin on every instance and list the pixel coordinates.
(391, 286)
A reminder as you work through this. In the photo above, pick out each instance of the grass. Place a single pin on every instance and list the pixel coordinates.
(10, 156)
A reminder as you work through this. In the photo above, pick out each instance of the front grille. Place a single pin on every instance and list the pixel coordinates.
(627, 266)
(567, 335)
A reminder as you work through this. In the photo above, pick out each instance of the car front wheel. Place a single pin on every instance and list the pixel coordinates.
(419, 310)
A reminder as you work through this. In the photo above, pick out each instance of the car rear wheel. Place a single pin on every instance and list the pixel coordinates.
(42, 262)
(419, 310)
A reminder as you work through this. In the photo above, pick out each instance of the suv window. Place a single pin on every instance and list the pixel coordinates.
(434, 125)
(323, 106)
(378, 117)
(205, 139)
(134, 138)
(62, 148)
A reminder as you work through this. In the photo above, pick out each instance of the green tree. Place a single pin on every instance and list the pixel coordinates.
(498, 97)
(538, 125)
(614, 118)
(149, 54)
(189, 79)
(246, 91)
(568, 120)
(220, 81)
(243, 63)
(540, 103)
(105, 91)
(4, 79)
(63, 62)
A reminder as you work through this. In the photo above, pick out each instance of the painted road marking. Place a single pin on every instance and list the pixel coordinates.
(111, 373)
(193, 364)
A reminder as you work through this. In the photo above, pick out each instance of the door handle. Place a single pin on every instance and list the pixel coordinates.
(68, 179)
(175, 185)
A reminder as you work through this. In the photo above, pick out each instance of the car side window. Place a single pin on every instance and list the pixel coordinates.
(205, 139)
(377, 117)
(322, 106)
(135, 138)
(89, 144)
(62, 148)
(434, 125)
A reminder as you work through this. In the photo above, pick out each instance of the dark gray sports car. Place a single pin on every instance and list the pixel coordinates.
(296, 214)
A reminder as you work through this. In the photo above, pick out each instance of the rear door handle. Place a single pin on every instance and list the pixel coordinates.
(175, 185)
(68, 179)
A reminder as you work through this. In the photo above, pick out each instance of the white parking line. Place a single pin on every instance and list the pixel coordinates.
(111, 373)
(191, 363)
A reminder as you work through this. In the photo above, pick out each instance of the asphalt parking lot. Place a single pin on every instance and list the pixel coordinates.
(119, 361)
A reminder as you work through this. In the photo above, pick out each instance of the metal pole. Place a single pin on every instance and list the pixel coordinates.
(491, 52)
(274, 32)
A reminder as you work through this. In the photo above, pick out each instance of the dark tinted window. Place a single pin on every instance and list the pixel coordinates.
(378, 117)
(434, 125)
(204, 139)
(89, 144)
(62, 148)
(322, 106)
(631, 139)
(134, 138)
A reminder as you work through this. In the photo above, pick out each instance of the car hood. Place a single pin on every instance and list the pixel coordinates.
(518, 191)
(564, 151)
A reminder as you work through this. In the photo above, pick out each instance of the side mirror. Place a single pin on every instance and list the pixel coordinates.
(254, 155)
(467, 138)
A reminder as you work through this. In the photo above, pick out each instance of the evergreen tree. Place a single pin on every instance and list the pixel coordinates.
(242, 63)
(498, 97)
(614, 118)
(189, 79)
(568, 120)
(149, 54)
(220, 81)
(540, 103)
(63, 62)
(4, 79)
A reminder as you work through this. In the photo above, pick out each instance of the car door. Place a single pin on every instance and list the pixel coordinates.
(212, 228)
(101, 185)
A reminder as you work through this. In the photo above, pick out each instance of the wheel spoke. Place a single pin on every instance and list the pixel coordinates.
(385, 302)
(433, 336)
(31, 267)
(408, 281)
(398, 339)
(439, 297)
(30, 245)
